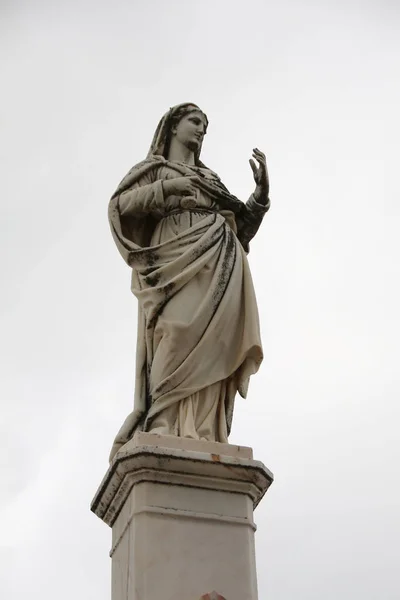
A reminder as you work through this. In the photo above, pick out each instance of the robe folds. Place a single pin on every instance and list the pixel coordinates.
(198, 329)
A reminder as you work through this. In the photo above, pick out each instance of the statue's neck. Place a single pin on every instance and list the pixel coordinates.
(180, 153)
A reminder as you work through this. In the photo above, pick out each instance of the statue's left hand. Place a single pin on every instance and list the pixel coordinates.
(260, 176)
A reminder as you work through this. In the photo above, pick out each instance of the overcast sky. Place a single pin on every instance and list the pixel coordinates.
(316, 86)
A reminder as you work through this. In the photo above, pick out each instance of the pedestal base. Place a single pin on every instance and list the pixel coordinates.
(181, 513)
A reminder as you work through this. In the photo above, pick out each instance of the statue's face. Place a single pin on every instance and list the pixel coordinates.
(190, 130)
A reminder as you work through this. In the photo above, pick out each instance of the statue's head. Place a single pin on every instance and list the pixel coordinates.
(187, 123)
(189, 126)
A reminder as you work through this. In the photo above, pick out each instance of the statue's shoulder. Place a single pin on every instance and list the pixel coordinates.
(152, 162)
(137, 171)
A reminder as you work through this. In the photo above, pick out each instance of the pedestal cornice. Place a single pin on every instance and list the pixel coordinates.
(179, 461)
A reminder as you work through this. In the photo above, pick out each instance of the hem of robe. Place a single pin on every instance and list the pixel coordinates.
(138, 420)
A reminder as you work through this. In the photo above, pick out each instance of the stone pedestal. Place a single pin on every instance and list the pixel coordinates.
(181, 513)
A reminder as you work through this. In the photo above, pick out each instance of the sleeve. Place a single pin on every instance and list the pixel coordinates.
(143, 198)
(249, 220)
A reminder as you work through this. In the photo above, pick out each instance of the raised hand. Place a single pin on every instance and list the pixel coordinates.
(260, 176)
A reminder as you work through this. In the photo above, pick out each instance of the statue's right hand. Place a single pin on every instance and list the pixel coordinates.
(181, 186)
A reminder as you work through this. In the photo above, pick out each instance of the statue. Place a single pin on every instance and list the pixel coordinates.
(186, 239)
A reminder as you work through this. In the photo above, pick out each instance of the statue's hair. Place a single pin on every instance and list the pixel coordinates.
(181, 112)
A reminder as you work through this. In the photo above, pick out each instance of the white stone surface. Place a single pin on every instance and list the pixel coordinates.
(181, 513)
(172, 441)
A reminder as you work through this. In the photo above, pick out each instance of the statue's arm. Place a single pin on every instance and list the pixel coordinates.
(249, 220)
(144, 197)
(148, 197)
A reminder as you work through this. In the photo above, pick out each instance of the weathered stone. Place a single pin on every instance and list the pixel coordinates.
(182, 519)
(212, 596)
(178, 496)
(186, 237)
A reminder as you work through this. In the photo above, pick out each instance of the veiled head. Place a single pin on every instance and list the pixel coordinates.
(180, 120)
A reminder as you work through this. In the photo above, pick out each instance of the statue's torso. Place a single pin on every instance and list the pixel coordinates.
(175, 221)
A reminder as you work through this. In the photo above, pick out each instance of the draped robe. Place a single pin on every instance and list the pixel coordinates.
(198, 330)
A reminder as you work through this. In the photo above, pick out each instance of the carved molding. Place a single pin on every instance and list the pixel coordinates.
(174, 466)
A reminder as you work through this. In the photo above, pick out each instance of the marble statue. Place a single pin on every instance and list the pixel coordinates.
(186, 238)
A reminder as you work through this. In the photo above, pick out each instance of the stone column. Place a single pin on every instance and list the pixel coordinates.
(181, 513)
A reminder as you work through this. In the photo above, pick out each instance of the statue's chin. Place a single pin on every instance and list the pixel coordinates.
(193, 146)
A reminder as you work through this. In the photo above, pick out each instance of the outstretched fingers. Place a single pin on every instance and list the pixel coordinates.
(259, 156)
(253, 166)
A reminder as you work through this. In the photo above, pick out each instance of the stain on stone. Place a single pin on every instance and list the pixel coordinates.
(153, 280)
(212, 596)
(226, 268)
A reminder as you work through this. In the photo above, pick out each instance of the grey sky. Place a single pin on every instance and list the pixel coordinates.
(316, 86)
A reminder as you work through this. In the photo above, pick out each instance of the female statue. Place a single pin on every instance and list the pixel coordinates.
(186, 238)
